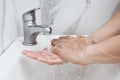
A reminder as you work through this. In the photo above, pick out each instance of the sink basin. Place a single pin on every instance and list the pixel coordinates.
(16, 66)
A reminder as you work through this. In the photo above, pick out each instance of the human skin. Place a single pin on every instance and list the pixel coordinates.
(107, 51)
(109, 29)
(50, 57)
(102, 46)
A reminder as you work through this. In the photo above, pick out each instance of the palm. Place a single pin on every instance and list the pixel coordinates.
(44, 56)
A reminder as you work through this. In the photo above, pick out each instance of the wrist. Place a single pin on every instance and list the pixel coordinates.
(90, 40)
(95, 38)
(92, 55)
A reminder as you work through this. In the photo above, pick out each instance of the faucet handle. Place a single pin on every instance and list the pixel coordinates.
(48, 31)
(30, 15)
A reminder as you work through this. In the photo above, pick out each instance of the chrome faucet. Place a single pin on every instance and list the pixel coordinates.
(31, 29)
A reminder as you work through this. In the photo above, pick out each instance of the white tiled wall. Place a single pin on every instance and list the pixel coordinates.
(1, 9)
(22, 6)
(97, 13)
(68, 13)
(12, 26)
(8, 27)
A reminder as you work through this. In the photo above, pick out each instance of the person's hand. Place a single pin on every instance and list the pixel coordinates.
(72, 49)
(52, 56)
(45, 56)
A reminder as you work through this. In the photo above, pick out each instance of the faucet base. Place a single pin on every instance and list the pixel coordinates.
(29, 44)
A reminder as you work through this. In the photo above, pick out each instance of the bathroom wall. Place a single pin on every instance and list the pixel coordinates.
(73, 16)
(84, 17)
(8, 26)
(1, 8)
(21, 7)
(68, 16)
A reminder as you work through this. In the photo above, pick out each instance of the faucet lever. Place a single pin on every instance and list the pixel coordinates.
(30, 15)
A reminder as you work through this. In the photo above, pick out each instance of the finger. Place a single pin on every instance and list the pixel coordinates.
(31, 54)
(59, 51)
(51, 61)
(53, 42)
(56, 61)
(45, 49)
(65, 37)
(80, 36)
(47, 58)
(60, 43)
(49, 55)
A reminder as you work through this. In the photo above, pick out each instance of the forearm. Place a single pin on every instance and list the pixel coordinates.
(111, 28)
(107, 51)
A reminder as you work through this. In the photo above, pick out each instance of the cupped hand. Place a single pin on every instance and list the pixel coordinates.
(45, 56)
(63, 49)
(72, 49)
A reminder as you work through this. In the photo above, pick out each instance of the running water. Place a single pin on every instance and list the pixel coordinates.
(57, 72)
(61, 72)
(48, 41)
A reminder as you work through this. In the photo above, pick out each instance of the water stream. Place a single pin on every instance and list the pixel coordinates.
(60, 72)
(48, 41)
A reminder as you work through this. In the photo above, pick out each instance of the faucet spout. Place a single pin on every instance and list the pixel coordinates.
(31, 33)
(31, 29)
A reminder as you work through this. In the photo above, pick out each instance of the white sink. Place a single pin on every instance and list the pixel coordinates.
(15, 66)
